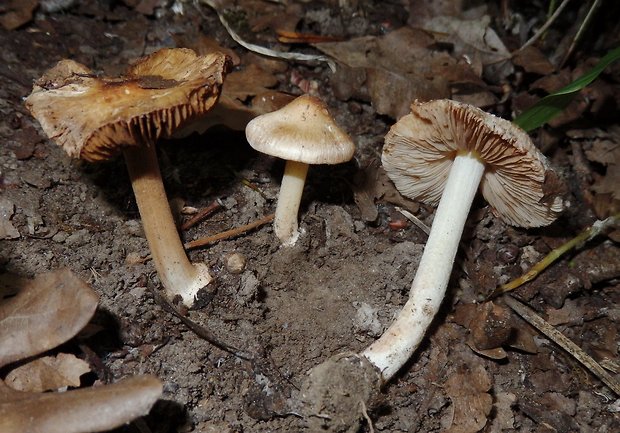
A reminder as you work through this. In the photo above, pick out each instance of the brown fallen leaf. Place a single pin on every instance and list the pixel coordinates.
(471, 402)
(475, 40)
(48, 373)
(16, 13)
(391, 71)
(84, 410)
(370, 184)
(532, 60)
(46, 312)
(246, 94)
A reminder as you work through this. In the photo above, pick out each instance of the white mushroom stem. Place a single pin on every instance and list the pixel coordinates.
(291, 190)
(177, 274)
(390, 352)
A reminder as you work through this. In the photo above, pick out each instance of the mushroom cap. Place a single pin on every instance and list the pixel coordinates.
(517, 182)
(301, 131)
(93, 118)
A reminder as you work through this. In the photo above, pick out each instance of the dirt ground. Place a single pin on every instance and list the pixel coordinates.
(338, 288)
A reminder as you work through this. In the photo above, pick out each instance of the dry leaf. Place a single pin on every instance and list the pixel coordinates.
(532, 60)
(503, 417)
(48, 373)
(476, 41)
(84, 410)
(16, 13)
(471, 402)
(490, 326)
(395, 69)
(246, 94)
(371, 183)
(46, 312)
(204, 45)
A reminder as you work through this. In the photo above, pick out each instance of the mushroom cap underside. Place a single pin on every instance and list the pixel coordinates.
(518, 183)
(93, 118)
(302, 131)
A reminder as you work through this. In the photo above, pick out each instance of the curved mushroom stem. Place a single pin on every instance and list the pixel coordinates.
(177, 274)
(390, 352)
(291, 190)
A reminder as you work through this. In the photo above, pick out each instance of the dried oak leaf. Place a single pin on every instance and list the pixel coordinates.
(46, 312)
(48, 373)
(468, 389)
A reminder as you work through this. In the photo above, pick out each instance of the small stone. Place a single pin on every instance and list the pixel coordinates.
(60, 237)
(78, 238)
(134, 258)
(235, 263)
(7, 230)
(134, 228)
(248, 289)
(367, 320)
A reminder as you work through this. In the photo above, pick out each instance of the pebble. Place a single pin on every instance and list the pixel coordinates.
(235, 263)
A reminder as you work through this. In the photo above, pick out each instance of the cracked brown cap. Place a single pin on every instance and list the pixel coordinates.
(301, 131)
(94, 117)
(518, 183)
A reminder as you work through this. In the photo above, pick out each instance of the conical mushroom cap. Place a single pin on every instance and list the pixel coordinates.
(301, 131)
(518, 183)
(93, 118)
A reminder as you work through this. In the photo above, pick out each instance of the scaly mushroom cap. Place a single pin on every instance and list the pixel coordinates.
(93, 118)
(301, 131)
(518, 183)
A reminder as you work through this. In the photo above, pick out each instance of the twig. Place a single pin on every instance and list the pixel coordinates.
(414, 219)
(199, 330)
(545, 26)
(228, 233)
(266, 51)
(564, 342)
(576, 242)
(215, 205)
(366, 417)
(582, 28)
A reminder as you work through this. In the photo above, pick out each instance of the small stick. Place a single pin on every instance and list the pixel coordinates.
(580, 31)
(215, 205)
(199, 330)
(228, 233)
(564, 342)
(300, 57)
(545, 26)
(591, 232)
(414, 219)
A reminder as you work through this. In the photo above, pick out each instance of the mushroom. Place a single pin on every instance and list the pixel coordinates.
(443, 151)
(302, 132)
(94, 118)
(441, 146)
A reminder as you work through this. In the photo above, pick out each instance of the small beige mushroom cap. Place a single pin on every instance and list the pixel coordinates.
(517, 182)
(93, 118)
(301, 131)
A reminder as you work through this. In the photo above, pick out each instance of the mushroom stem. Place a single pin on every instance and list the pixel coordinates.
(177, 274)
(291, 190)
(390, 352)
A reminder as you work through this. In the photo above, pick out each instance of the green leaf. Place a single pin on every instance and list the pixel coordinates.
(552, 105)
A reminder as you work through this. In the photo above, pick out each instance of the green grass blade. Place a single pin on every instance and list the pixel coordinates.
(553, 104)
